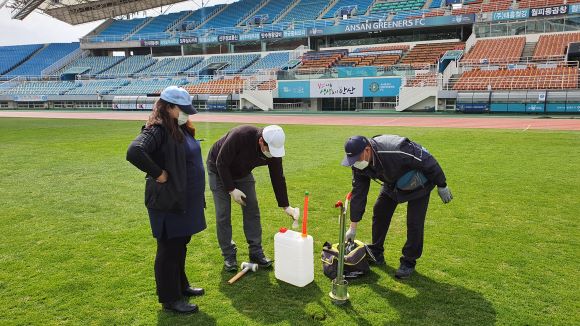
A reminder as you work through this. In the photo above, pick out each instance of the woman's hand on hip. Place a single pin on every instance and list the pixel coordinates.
(163, 177)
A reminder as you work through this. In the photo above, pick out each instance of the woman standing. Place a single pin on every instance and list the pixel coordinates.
(167, 151)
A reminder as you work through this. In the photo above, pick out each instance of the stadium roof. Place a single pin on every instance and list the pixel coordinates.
(77, 12)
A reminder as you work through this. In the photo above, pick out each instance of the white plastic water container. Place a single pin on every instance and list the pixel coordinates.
(293, 257)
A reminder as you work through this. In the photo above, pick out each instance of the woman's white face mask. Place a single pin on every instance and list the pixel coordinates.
(182, 119)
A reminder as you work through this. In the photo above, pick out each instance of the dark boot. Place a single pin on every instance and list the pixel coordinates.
(181, 306)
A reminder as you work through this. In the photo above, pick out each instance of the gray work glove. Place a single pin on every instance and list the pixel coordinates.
(445, 194)
(351, 232)
(238, 196)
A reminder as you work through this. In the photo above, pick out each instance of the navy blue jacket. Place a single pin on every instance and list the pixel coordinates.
(393, 156)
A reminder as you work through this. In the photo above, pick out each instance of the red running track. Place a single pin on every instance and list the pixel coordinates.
(393, 120)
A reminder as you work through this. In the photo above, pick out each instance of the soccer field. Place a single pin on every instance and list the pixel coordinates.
(76, 246)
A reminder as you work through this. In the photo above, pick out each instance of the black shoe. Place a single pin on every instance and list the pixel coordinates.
(262, 261)
(181, 306)
(379, 261)
(404, 272)
(193, 292)
(231, 264)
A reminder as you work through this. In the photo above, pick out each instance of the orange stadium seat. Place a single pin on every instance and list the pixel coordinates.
(503, 50)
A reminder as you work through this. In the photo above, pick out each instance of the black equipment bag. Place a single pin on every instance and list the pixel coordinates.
(356, 259)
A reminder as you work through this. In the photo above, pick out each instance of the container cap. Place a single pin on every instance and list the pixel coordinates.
(283, 230)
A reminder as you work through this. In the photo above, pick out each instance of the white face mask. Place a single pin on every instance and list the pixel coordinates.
(361, 165)
(267, 154)
(182, 119)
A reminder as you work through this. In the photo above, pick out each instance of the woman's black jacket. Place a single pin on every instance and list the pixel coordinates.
(153, 151)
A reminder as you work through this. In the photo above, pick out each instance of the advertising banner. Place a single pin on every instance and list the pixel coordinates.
(375, 26)
(381, 87)
(574, 9)
(188, 40)
(294, 89)
(271, 35)
(549, 11)
(229, 38)
(150, 43)
(345, 72)
(325, 88)
(511, 14)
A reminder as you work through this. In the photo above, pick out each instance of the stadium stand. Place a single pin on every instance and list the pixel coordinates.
(502, 50)
(119, 29)
(232, 64)
(275, 60)
(232, 14)
(43, 88)
(147, 86)
(361, 6)
(424, 55)
(43, 58)
(11, 56)
(221, 86)
(422, 80)
(198, 16)
(98, 87)
(305, 10)
(554, 46)
(158, 24)
(519, 79)
(91, 65)
(271, 10)
(313, 61)
(387, 6)
(129, 66)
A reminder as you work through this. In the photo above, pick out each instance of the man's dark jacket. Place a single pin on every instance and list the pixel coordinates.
(393, 156)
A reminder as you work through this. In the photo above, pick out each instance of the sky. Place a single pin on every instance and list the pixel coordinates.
(38, 28)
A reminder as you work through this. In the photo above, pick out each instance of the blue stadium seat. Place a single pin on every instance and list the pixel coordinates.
(119, 29)
(11, 56)
(92, 65)
(159, 24)
(43, 88)
(147, 86)
(43, 59)
(130, 66)
(199, 16)
(306, 10)
(232, 14)
(275, 60)
(362, 6)
(101, 87)
(272, 9)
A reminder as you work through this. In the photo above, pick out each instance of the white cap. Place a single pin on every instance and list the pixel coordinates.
(274, 137)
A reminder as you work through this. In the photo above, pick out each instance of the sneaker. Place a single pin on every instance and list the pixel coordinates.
(404, 272)
(231, 264)
(261, 260)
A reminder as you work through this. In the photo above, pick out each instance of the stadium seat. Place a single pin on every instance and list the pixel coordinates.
(43, 59)
(11, 56)
(509, 79)
(158, 24)
(501, 50)
(217, 87)
(232, 14)
(422, 56)
(98, 87)
(92, 65)
(305, 10)
(147, 86)
(129, 66)
(275, 60)
(553, 47)
(361, 5)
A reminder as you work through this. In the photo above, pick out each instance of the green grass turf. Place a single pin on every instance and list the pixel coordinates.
(76, 247)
